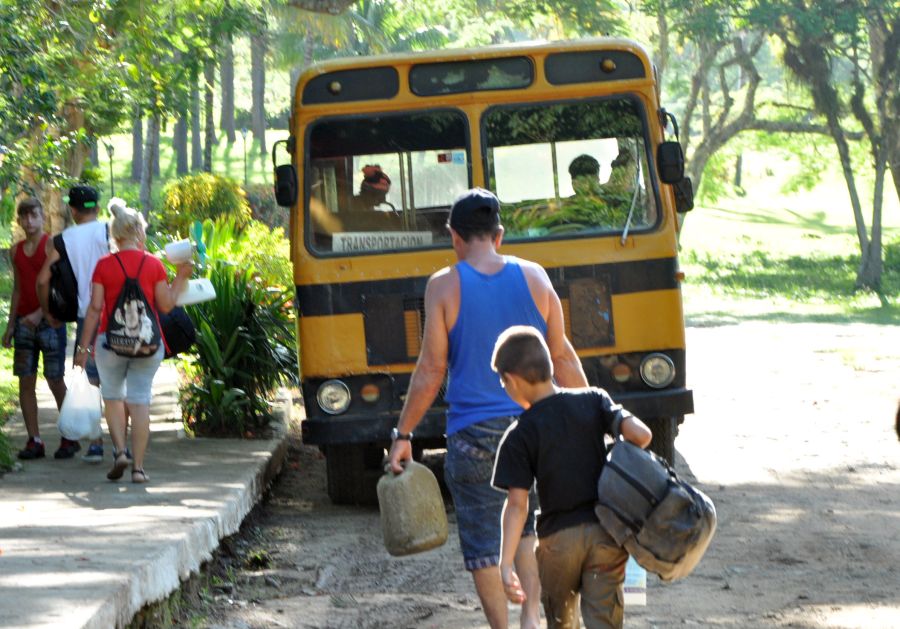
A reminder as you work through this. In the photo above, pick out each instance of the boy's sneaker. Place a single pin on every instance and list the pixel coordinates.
(94, 454)
(67, 449)
(32, 450)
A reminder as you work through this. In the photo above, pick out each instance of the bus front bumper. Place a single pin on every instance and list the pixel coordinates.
(358, 428)
(665, 403)
(355, 428)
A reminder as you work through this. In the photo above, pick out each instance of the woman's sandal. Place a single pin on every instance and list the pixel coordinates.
(138, 476)
(118, 467)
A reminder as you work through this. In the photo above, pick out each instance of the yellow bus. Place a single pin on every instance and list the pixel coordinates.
(570, 136)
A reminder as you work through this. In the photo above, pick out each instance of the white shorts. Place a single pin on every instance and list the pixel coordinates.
(123, 378)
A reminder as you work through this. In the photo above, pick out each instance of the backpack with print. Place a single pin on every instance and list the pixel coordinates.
(132, 329)
(63, 297)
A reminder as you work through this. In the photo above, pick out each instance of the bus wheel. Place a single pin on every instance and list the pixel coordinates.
(353, 472)
(664, 431)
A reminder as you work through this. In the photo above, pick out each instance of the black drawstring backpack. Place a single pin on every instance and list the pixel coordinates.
(132, 329)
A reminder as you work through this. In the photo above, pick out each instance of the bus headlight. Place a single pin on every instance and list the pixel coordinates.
(333, 397)
(657, 370)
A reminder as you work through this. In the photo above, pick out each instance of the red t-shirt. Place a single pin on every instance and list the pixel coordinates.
(109, 274)
(29, 267)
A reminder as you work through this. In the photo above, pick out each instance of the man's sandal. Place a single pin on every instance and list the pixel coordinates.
(118, 467)
(138, 476)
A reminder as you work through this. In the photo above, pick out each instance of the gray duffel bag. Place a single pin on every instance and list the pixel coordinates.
(662, 521)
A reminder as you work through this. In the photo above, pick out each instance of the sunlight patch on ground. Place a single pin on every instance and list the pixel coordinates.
(845, 616)
(783, 516)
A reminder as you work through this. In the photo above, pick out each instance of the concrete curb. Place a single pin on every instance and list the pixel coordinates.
(77, 550)
(162, 574)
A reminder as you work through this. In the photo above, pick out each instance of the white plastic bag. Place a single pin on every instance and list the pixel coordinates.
(635, 584)
(79, 417)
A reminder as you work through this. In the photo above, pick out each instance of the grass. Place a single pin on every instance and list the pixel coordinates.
(777, 257)
(9, 384)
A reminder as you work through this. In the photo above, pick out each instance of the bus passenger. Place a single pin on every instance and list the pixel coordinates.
(370, 210)
(467, 306)
(605, 205)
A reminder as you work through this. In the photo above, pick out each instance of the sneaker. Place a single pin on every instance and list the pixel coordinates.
(67, 449)
(94, 454)
(32, 450)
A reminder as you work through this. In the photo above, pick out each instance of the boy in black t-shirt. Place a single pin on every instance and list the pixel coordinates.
(559, 441)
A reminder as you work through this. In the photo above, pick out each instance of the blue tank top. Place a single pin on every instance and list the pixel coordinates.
(488, 305)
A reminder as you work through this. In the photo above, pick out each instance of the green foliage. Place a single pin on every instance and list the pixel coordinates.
(266, 251)
(55, 58)
(201, 196)
(245, 340)
(808, 278)
(9, 385)
(7, 215)
(6, 453)
(263, 206)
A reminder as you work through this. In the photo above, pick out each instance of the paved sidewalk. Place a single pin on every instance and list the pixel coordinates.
(77, 550)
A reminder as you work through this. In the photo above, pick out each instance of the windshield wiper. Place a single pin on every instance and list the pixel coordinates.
(631, 209)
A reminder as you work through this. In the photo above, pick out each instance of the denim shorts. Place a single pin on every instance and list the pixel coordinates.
(468, 469)
(32, 342)
(91, 367)
(124, 378)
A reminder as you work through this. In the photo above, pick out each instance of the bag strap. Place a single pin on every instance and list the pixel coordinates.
(140, 266)
(631, 480)
(60, 244)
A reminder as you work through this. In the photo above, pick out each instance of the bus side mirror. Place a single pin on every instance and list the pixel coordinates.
(285, 179)
(285, 185)
(670, 162)
(684, 195)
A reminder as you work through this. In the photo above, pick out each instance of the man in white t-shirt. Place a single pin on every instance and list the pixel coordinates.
(86, 242)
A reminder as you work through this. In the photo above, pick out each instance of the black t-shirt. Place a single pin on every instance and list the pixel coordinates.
(560, 442)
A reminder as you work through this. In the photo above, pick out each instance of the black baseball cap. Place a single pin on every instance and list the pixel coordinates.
(83, 197)
(475, 210)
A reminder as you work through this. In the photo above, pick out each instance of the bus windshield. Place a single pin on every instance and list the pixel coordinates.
(570, 168)
(385, 182)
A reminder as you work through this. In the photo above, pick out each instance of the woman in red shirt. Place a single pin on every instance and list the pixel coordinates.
(127, 380)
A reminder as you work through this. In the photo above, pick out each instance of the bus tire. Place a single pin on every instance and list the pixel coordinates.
(664, 431)
(351, 475)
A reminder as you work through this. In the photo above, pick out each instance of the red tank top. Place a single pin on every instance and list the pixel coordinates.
(29, 267)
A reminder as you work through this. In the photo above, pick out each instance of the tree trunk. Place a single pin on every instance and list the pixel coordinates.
(179, 144)
(662, 54)
(155, 137)
(209, 76)
(196, 139)
(95, 152)
(137, 144)
(258, 44)
(871, 264)
(808, 60)
(226, 78)
(149, 158)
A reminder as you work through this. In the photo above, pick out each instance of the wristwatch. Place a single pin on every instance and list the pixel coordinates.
(84, 350)
(397, 435)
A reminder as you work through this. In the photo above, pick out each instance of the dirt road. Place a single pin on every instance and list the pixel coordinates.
(792, 439)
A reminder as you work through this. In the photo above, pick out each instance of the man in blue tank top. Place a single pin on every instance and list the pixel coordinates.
(467, 306)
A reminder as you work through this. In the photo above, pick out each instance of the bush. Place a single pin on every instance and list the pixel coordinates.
(6, 454)
(198, 197)
(264, 207)
(245, 337)
(255, 245)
